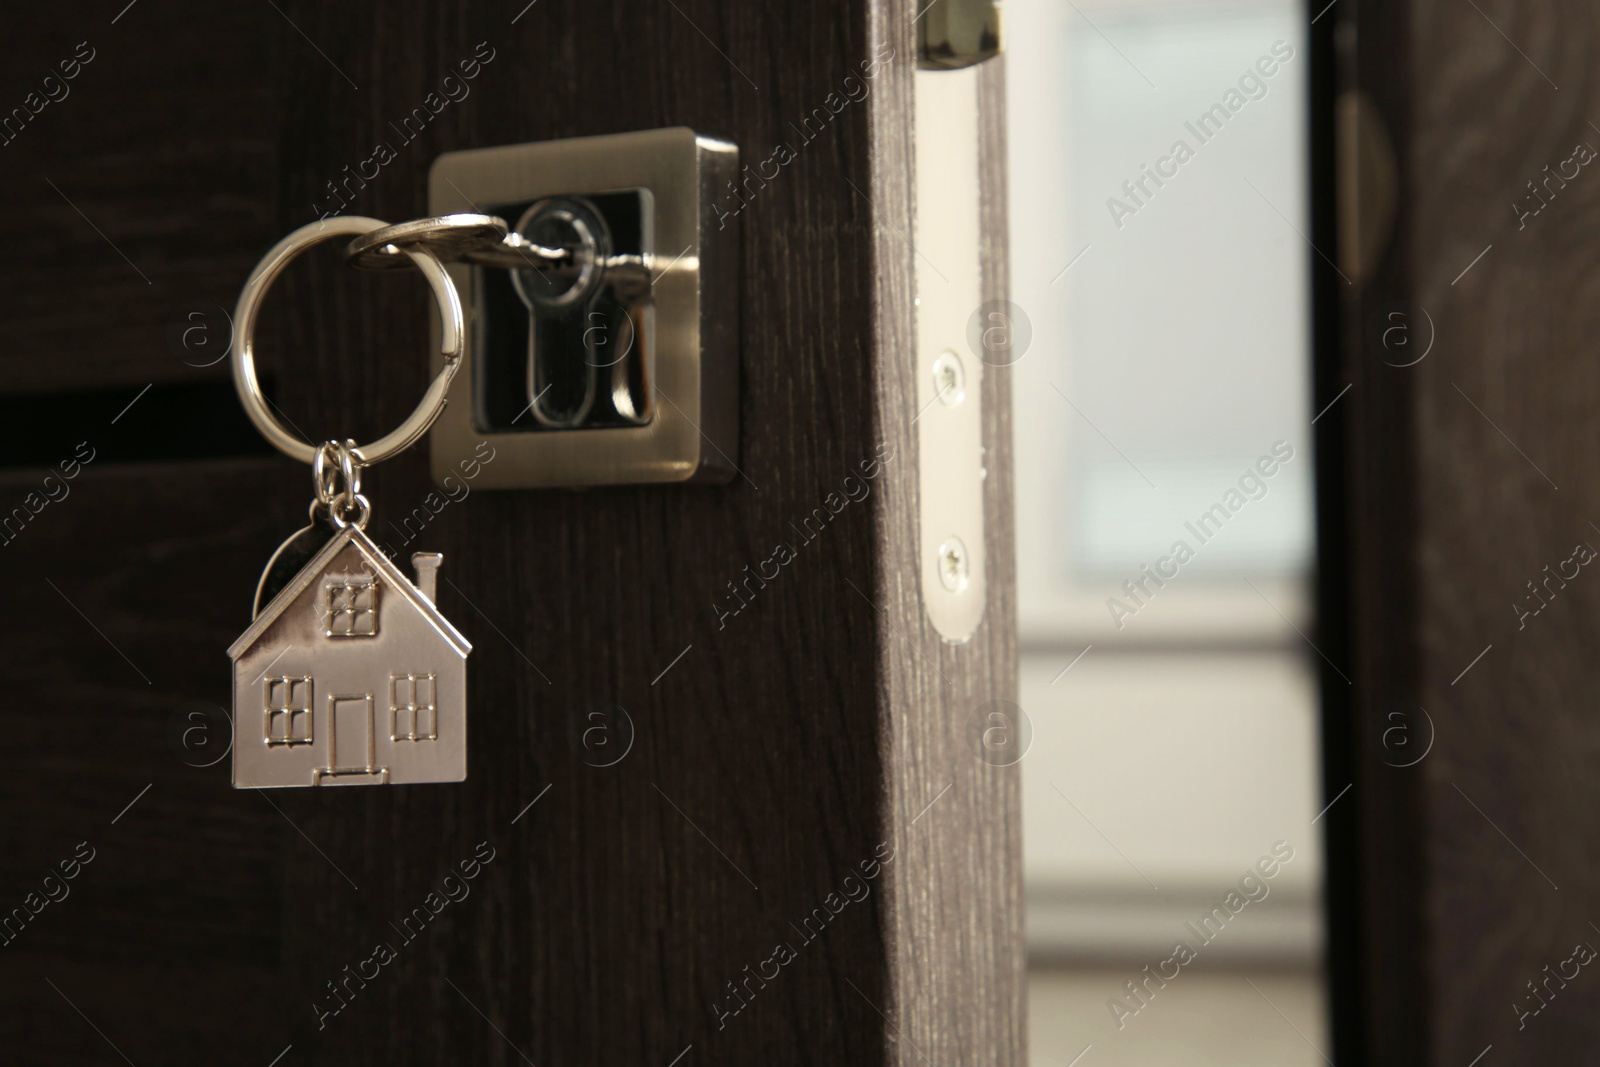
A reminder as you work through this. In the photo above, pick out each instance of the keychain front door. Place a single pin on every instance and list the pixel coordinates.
(349, 674)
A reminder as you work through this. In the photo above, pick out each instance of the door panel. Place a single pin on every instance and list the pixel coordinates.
(617, 910)
(1457, 487)
(117, 690)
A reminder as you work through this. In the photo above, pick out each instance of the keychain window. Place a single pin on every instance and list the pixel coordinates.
(412, 708)
(288, 709)
(352, 606)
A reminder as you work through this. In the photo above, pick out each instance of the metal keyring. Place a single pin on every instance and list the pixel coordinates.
(244, 319)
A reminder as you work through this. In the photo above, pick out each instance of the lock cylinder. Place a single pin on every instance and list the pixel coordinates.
(604, 317)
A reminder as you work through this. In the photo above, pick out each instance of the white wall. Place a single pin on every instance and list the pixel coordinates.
(1175, 351)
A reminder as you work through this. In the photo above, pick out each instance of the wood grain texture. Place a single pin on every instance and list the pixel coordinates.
(632, 897)
(957, 1002)
(1511, 799)
(117, 595)
(780, 738)
(1457, 509)
(141, 193)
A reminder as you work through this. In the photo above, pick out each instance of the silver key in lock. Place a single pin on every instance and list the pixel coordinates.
(586, 314)
(587, 353)
(603, 327)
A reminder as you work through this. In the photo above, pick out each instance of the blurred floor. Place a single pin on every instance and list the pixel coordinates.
(1199, 1020)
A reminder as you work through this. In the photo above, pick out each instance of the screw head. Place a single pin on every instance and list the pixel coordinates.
(949, 378)
(953, 565)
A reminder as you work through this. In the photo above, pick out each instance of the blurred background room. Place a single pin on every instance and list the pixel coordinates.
(1165, 400)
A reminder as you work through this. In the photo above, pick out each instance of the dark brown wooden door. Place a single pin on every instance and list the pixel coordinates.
(1458, 523)
(150, 153)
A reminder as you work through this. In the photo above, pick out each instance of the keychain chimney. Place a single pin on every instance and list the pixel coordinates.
(427, 566)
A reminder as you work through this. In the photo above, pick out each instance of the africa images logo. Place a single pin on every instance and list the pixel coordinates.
(1253, 485)
(1252, 86)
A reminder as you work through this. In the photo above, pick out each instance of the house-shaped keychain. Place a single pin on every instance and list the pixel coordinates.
(351, 676)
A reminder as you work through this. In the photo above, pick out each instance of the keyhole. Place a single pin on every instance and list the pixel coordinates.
(561, 387)
(572, 228)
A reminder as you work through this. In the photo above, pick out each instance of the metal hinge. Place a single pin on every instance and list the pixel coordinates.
(1368, 183)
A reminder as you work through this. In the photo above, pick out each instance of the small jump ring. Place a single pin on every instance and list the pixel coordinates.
(322, 476)
(341, 481)
(453, 329)
(341, 516)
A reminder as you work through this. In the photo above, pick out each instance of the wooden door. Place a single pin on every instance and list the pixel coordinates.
(1457, 521)
(806, 760)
